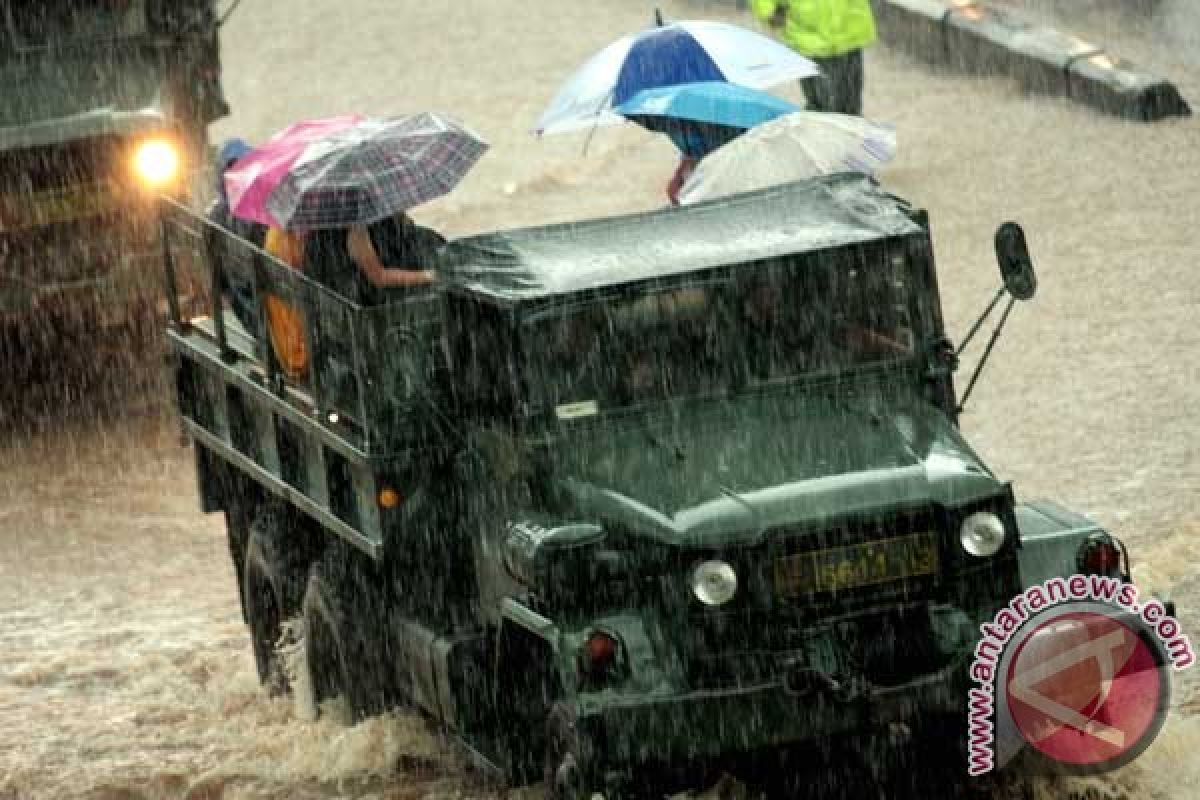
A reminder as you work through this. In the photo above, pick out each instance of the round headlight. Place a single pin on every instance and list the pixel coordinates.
(982, 534)
(714, 583)
(156, 163)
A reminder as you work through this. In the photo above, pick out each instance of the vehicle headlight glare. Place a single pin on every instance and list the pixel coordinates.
(156, 163)
(714, 583)
(982, 534)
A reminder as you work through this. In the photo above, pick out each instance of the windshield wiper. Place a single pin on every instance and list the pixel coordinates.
(657, 441)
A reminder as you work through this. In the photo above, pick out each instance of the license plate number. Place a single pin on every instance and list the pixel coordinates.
(866, 564)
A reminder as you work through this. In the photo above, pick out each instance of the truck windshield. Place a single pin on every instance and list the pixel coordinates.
(773, 325)
(60, 22)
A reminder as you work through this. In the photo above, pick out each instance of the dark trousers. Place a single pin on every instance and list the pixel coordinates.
(839, 87)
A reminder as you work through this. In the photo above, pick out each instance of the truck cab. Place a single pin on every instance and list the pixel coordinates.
(626, 495)
(106, 105)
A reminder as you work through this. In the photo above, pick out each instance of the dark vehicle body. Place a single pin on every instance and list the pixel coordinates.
(516, 502)
(88, 87)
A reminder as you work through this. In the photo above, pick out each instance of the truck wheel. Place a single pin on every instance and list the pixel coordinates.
(271, 585)
(342, 649)
(567, 772)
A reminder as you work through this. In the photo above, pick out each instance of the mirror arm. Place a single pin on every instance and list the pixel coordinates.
(987, 312)
(987, 351)
(228, 13)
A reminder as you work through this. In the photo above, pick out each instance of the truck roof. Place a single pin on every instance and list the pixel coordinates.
(514, 266)
(55, 98)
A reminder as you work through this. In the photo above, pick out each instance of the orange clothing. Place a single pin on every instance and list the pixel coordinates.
(285, 323)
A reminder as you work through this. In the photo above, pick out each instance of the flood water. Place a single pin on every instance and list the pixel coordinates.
(125, 671)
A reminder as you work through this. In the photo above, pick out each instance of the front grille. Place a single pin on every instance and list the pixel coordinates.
(873, 620)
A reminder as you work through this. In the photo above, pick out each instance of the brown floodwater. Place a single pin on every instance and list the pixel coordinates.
(125, 671)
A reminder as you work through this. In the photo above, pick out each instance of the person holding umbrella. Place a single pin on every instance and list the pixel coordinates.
(364, 262)
(699, 118)
(352, 190)
(694, 141)
(347, 183)
(335, 192)
(239, 289)
(831, 32)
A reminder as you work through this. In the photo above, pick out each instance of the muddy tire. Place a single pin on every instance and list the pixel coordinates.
(272, 579)
(342, 644)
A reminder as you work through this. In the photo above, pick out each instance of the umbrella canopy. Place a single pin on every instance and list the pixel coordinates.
(363, 174)
(372, 170)
(256, 174)
(700, 117)
(715, 102)
(793, 147)
(689, 51)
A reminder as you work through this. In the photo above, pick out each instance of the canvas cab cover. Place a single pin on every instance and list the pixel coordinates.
(509, 267)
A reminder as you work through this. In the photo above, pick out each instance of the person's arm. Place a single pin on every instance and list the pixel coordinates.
(358, 242)
(682, 172)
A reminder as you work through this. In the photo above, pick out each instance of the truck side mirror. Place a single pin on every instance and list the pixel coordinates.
(1020, 281)
(1016, 267)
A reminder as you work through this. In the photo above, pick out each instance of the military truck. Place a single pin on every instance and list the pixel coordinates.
(106, 104)
(628, 496)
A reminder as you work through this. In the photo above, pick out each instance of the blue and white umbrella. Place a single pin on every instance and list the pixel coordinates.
(689, 51)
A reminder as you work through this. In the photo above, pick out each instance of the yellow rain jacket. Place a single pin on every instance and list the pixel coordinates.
(285, 323)
(821, 28)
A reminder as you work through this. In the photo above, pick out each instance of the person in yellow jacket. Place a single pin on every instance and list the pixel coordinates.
(285, 323)
(833, 34)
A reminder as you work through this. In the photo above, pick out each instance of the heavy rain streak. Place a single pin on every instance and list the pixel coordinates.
(127, 671)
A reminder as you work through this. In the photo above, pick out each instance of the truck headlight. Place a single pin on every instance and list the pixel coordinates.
(714, 583)
(156, 163)
(982, 534)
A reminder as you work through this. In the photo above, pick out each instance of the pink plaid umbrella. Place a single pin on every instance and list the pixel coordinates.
(254, 177)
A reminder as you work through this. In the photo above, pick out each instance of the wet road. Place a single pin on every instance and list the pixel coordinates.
(125, 672)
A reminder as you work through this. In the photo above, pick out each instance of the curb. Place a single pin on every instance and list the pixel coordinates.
(980, 40)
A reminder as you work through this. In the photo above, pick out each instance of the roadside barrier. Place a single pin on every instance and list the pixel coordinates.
(981, 40)
(913, 25)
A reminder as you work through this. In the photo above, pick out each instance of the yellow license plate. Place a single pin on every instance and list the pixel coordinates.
(841, 568)
(18, 212)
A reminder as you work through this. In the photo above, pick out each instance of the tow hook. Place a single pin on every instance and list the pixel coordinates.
(804, 681)
(567, 780)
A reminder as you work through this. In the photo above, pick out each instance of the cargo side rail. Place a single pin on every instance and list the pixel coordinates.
(318, 441)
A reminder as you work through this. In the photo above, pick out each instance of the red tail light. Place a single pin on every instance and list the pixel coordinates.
(598, 654)
(1100, 555)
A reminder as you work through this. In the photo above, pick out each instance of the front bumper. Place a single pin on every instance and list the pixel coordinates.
(721, 725)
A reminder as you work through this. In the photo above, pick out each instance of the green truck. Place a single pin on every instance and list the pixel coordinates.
(106, 104)
(626, 498)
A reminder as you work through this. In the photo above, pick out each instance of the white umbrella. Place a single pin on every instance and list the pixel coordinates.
(793, 147)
